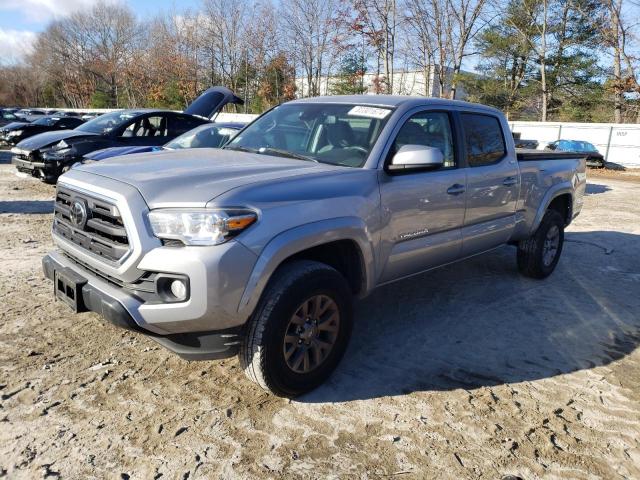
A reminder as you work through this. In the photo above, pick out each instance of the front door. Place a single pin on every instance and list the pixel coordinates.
(423, 211)
(493, 184)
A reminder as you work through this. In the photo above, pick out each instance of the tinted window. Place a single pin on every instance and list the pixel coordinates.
(107, 122)
(179, 124)
(431, 129)
(69, 122)
(484, 140)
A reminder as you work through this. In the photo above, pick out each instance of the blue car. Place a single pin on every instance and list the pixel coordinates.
(210, 135)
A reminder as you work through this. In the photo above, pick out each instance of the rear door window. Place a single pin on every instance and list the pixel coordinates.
(483, 138)
(179, 124)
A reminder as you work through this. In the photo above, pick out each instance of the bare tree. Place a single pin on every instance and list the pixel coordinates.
(226, 27)
(311, 29)
(379, 20)
(616, 33)
(421, 27)
(467, 22)
(99, 43)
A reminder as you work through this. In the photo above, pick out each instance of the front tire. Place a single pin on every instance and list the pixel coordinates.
(300, 329)
(539, 254)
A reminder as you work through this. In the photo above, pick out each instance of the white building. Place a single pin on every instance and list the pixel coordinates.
(405, 82)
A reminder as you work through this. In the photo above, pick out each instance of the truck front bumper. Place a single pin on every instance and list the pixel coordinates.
(122, 309)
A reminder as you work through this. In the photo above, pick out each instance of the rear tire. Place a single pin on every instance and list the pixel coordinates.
(539, 254)
(288, 349)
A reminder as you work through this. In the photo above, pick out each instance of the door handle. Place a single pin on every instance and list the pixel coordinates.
(456, 189)
(510, 181)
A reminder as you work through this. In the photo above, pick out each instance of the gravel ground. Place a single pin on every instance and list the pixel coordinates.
(470, 371)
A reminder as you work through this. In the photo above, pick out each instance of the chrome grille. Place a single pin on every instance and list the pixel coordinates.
(100, 231)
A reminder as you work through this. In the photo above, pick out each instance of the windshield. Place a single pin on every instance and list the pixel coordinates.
(339, 134)
(205, 136)
(9, 116)
(46, 121)
(107, 122)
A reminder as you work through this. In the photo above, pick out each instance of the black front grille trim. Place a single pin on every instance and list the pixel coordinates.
(144, 287)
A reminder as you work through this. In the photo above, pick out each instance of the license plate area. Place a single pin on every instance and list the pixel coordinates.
(67, 287)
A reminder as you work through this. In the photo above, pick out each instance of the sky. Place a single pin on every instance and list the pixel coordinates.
(20, 20)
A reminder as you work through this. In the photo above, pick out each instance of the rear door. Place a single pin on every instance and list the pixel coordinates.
(493, 183)
(423, 211)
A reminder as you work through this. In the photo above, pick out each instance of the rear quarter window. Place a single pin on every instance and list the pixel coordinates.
(483, 138)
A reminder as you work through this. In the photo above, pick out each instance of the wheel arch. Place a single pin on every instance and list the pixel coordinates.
(343, 243)
(560, 198)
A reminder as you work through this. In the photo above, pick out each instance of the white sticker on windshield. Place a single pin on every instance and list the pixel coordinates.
(370, 112)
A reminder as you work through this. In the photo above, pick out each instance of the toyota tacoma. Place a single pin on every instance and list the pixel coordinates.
(258, 249)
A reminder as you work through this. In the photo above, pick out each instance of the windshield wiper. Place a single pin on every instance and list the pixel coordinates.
(240, 148)
(287, 153)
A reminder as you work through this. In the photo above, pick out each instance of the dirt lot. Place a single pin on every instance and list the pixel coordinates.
(467, 372)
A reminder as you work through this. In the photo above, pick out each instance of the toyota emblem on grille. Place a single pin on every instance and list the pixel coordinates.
(78, 213)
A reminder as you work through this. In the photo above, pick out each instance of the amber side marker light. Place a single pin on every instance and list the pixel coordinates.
(239, 222)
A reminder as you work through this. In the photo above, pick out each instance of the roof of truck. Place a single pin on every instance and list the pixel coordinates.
(392, 101)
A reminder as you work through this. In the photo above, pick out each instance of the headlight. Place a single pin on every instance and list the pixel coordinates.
(15, 133)
(200, 226)
(61, 144)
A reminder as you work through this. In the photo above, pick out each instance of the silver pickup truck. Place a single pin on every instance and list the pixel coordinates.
(259, 248)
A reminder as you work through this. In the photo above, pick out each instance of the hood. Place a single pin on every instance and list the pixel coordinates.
(211, 102)
(49, 138)
(116, 151)
(15, 125)
(193, 177)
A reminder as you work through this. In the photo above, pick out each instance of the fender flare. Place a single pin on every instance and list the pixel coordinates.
(293, 241)
(552, 193)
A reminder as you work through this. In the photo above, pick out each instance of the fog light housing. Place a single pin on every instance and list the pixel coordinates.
(179, 289)
(172, 288)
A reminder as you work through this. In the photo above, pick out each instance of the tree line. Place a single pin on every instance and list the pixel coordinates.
(571, 60)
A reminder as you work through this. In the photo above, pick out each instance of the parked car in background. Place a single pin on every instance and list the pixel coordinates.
(29, 114)
(259, 248)
(213, 135)
(48, 155)
(9, 127)
(594, 158)
(12, 135)
(7, 116)
(89, 116)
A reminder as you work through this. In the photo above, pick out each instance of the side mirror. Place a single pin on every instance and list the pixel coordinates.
(413, 157)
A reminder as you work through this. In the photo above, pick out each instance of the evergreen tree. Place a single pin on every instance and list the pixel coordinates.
(349, 80)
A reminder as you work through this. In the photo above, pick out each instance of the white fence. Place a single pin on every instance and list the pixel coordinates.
(619, 143)
(235, 117)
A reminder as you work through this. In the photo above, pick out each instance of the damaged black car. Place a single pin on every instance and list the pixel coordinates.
(15, 132)
(49, 155)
